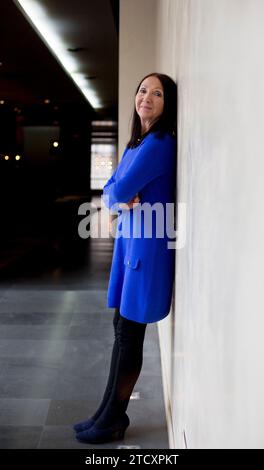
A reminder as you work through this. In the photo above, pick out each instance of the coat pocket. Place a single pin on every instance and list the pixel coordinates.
(132, 263)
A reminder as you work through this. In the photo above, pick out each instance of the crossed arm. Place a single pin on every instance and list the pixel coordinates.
(148, 164)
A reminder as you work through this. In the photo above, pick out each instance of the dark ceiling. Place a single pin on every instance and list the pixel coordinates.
(29, 73)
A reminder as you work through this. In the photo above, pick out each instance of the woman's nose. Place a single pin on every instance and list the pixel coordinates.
(147, 97)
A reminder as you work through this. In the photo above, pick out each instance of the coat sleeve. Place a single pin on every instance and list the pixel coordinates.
(107, 196)
(152, 160)
(107, 193)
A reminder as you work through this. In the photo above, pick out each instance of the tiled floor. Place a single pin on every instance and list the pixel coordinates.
(56, 338)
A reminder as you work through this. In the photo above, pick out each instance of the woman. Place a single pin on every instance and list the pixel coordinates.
(142, 273)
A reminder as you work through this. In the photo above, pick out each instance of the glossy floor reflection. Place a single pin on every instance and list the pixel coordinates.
(56, 338)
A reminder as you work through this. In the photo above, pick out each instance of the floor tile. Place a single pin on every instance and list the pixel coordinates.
(20, 437)
(23, 412)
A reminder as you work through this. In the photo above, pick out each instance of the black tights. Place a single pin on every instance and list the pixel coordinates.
(126, 364)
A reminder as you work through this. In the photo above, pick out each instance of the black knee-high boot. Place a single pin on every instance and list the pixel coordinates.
(112, 371)
(128, 359)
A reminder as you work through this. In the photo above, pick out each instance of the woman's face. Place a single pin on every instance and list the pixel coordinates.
(149, 101)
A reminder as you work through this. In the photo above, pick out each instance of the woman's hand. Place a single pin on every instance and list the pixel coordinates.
(123, 205)
(130, 204)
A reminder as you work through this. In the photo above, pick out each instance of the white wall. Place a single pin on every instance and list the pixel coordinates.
(215, 50)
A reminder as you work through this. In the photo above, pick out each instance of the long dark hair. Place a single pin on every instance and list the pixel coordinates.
(167, 120)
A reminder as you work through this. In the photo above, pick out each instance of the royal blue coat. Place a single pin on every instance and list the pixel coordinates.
(142, 272)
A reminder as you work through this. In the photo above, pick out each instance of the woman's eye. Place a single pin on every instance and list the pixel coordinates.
(156, 93)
